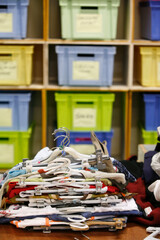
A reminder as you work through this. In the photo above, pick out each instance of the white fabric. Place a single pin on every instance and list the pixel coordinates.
(155, 163)
(126, 205)
(155, 188)
(119, 177)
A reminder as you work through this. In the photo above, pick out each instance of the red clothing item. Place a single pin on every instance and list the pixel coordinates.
(111, 189)
(139, 187)
(12, 191)
(153, 219)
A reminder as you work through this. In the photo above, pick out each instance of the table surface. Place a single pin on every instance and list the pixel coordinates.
(131, 232)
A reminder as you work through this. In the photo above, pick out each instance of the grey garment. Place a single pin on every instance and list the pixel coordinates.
(102, 146)
(155, 163)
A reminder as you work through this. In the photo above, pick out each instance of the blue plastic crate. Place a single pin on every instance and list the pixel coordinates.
(14, 111)
(150, 18)
(85, 65)
(79, 138)
(13, 18)
(152, 111)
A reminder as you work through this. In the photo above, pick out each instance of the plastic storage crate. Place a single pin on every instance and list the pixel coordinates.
(81, 141)
(84, 111)
(149, 19)
(14, 111)
(16, 65)
(13, 18)
(150, 66)
(85, 65)
(149, 137)
(14, 146)
(89, 19)
(152, 111)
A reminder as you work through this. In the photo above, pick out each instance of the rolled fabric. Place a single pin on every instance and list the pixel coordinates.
(155, 188)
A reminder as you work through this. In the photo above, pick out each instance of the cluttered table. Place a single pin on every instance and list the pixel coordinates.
(131, 232)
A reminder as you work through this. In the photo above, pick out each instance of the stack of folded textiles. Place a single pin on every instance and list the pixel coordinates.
(64, 189)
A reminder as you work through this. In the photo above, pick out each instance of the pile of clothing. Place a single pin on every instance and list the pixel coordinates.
(147, 188)
(61, 188)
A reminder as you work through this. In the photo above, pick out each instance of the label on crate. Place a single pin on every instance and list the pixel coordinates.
(83, 148)
(6, 117)
(7, 153)
(84, 117)
(158, 72)
(85, 70)
(8, 70)
(88, 23)
(6, 22)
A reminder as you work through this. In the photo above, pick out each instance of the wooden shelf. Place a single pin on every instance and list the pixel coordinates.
(97, 89)
(22, 41)
(146, 42)
(44, 32)
(89, 42)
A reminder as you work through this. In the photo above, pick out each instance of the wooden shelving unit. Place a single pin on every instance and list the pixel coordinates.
(44, 32)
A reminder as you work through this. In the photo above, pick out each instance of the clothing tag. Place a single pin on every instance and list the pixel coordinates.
(148, 210)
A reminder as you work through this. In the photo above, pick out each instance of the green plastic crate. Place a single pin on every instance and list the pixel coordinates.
(149, 137)
(14, 146)
(89, 19)
(85, 111)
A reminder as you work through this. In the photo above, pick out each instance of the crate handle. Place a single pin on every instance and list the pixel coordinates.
(85, 102)
(4, 102)
(82, 139)
(3, 6)
(4, 139)
(85, 55)
(89, 8)
(5, 55)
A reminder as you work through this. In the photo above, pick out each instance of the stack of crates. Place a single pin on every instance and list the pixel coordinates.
(15, 131)
(152, 118)
(86, 66)
(83, 112)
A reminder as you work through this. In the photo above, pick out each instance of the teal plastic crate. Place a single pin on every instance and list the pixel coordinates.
(14, 146)
(89, 19)
(84, 111)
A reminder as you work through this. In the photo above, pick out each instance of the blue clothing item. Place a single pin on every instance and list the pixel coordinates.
(116, 213)
(123, 169)
(12, 174)
(55, 217)
(149, 175)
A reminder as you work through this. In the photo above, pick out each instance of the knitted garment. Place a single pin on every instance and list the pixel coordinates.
(153, 219)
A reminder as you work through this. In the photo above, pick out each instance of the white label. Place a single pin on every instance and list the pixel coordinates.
(85, 70)
(7, 153)
(8, 70)
(5, 117)
(6, 22)
(158, 72)
(84, 117)
(88, 23)
(83, 148)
